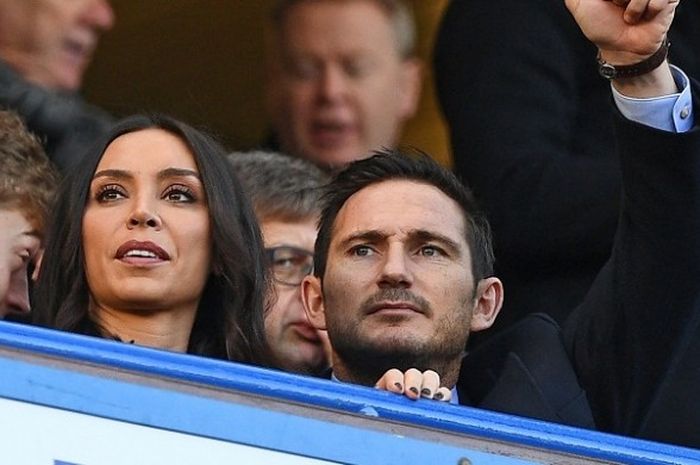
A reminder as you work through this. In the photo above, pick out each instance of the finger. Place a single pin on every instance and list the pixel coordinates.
(391, 381)
(621, 3)
(655, 7)
(443, 394)
(431, 383)
(635, 10)
(413, 381)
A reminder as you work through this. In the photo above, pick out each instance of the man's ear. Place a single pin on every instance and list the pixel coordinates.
(410, 86)
(312, 298)
(487, 304)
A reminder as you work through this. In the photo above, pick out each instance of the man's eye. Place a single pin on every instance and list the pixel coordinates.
(110, 193)
(302, 69)
(362, 251)
(284, 263)
(431, 251)
(356, 68)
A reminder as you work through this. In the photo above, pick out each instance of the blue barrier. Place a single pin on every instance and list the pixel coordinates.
(130, 404)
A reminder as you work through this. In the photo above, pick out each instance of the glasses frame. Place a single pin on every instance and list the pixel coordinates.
(270, 255)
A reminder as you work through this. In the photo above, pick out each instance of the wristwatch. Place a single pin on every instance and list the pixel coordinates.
(610, 71)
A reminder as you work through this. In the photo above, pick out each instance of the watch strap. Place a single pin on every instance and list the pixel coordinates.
(610, 71)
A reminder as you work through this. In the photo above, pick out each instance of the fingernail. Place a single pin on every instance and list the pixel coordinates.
(399, 386)
(414, 390)
(425, 392)
(438, 396)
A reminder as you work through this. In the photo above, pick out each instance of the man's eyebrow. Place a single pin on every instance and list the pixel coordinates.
(371, 236)
(423, 235)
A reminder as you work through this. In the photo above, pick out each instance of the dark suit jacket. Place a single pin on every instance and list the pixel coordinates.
(634, 343)
(525, 370)
(531, 132)
(66, 124)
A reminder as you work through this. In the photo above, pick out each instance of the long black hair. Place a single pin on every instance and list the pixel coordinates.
(230, 318)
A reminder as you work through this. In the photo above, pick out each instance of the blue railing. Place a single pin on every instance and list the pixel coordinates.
(296, 419)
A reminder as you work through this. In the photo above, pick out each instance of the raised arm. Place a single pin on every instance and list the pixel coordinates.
(633, 338)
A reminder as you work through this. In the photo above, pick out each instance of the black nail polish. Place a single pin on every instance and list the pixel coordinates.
(425, 392)
(399, 386)
(438, 396)
(414, 390)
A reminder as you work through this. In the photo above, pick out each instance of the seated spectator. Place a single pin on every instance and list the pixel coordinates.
(45, 47)
(27, 184)
(285, 193)
(342, 77)
(403, 269)
(532, 134)
(153, 242)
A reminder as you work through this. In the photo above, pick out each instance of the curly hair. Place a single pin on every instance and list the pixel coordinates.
(28, 180)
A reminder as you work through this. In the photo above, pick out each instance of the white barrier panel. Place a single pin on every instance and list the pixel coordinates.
(38, 435)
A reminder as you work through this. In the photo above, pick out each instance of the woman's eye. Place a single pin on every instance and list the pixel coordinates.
(179, 194)
(110, 193)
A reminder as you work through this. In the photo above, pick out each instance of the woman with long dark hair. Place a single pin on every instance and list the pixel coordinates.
(153, 242)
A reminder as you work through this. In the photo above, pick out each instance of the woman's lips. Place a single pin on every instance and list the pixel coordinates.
(141, 253)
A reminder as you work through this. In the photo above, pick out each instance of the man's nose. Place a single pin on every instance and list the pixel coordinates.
(100, 15)
(395, 270)
(332, 84)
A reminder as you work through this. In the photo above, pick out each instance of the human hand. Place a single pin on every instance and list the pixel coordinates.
(625, 31)
(414, 384)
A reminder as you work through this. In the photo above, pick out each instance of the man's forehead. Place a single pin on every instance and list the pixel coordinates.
(349, 25)
(15, 226)
(400, 206)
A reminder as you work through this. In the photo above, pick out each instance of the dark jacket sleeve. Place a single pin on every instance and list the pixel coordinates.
(66, 124)
(631, 336)
(530, 128)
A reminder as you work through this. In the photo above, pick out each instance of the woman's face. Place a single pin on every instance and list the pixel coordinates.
(146, 229)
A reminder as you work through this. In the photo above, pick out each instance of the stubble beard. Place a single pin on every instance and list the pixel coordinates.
(366, 358)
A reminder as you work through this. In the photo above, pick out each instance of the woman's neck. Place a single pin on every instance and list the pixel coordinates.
(161, 329)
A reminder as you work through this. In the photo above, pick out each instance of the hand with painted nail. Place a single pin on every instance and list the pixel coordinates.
(414, 384)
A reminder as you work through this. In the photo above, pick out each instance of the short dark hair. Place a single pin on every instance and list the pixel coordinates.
(229, 320)
(279, 186)
(28, 180)
(411, 165)
(399, 13)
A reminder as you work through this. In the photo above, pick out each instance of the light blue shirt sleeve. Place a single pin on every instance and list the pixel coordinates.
(672, 113)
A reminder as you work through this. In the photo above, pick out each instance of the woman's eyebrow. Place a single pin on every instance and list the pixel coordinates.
(112, 173)
(166, 173)
(173, 172)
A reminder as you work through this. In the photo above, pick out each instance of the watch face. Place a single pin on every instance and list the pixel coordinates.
(607, 70)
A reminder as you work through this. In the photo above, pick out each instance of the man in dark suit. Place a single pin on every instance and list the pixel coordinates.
(403, 269)
(531, 133)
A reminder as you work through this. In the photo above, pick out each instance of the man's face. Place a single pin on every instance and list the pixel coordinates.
(398, 284)
(296, 344)
(51, 42)
(338, 87)
(19, 245)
